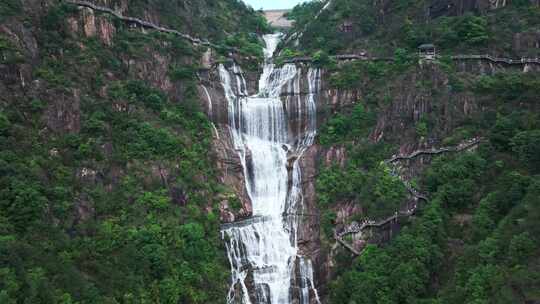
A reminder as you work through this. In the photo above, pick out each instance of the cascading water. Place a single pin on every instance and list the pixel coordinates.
(263, 252)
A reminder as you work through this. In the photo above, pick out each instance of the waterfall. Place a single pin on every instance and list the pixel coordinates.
(210, 112)
(270, 135)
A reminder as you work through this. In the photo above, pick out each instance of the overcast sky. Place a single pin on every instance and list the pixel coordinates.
(273, 4)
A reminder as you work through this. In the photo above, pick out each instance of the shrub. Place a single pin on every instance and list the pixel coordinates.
(10, 8)
(321, 59)
(341, 128)
(527, 147)
(182, 73)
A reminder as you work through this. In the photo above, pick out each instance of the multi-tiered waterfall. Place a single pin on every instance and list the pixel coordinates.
(270, 131)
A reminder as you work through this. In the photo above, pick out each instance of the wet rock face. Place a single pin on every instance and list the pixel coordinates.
(309, 241)
(309, 228)
(231, 174)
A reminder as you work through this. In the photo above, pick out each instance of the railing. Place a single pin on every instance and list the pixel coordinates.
(462, 146)
(497, 59)
(140, 22)
(355, 57)
(355, 227)
(351, 57)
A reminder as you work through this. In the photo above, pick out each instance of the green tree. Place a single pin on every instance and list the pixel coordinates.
(522, 247)
(527, 146)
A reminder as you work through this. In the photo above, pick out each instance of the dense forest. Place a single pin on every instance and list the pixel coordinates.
(476, 240)
(109, 189)
(106, 178)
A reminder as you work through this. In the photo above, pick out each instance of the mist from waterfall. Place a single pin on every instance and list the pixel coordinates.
(268, 142)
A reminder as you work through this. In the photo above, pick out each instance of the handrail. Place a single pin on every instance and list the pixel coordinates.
(141, 22)
(462, 146)
(357, 228)
(363, 57)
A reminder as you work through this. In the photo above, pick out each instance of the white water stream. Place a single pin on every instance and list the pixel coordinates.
(270, 131)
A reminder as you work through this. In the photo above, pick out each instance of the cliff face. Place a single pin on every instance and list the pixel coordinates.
(106, 155)
(427, 90)
(152, 63)
(69, 73)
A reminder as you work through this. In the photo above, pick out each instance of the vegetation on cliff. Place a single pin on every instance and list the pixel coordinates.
(353, 26)
(476, 241)
(482, 202)
(107, 189)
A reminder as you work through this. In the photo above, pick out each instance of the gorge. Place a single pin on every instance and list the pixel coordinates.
(184, 152)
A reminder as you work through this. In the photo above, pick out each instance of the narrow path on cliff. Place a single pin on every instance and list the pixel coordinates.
(140, 22)
(355, 227)
(462, 57)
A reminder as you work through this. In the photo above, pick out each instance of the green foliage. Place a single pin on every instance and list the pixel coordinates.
(509, 87)
(468, 29)
(497, 265)
(52, 72)
(183, 73)
(402, 58)
(335, 184)
(322, 33)
(9, 54)
(377, 191)
(455, 181)
(487, 200)
(346, 78)
(303, 13)
(4, 124)
(10, 8)
(23, 204)
(522, 247)
(403, 24)
(362, 74)
(422, 129)
(399, 273)
(327, 222)
(248, 45)
(526, 145)
(137, 93)
(341, 128)
(473, 29)
(120, 210)
(322, 59)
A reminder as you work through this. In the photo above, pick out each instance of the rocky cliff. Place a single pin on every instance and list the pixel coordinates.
(107, 157)
(105, 146)
(426, 90)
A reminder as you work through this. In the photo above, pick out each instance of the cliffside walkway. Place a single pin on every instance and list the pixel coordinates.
(355, 227)
(485, 57)
(140, 22)
(434, 151)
